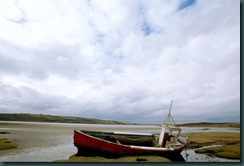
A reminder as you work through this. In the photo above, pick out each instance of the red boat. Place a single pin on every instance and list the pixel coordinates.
(117, 144)
(114, 144)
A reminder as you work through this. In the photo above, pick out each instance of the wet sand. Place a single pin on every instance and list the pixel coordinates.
(36, 142)
(41, 142)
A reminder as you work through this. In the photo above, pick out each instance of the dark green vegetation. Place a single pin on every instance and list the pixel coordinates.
(53, 118)
(230, 143)
(121, 159)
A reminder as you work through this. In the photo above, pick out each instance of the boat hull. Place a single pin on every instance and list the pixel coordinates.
(91, 146)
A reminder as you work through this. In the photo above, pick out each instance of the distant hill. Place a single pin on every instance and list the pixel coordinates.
(53, 118)
(68, 119)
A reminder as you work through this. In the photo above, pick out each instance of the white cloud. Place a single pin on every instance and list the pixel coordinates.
(121, 60)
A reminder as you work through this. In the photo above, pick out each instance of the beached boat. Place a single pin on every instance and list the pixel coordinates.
(117, 144)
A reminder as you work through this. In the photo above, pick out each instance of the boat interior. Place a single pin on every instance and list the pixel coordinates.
(136, 140)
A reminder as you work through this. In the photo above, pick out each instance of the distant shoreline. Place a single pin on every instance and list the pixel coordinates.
(200, 124)
(25, 117)
(211, 124)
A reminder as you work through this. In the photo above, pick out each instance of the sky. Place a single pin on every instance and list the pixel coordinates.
(122, 60)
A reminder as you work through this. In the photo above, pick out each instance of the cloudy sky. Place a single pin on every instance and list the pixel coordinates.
(121, 59)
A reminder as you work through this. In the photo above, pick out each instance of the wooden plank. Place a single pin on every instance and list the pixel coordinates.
(161, 137)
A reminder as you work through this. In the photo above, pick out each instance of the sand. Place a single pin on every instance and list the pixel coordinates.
(47, 141)
(32, 140)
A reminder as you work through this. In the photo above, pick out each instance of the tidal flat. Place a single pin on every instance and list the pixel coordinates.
(48, 142)
(219, 144)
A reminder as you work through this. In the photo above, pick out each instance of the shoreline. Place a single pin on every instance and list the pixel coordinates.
(193, 124)
(210, 124)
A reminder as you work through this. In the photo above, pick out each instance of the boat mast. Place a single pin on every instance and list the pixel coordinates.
(167, 124)
(169, 120)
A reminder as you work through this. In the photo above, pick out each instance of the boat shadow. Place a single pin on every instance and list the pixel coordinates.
(176, 158)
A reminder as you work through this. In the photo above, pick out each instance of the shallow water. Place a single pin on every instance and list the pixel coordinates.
(40, 154)
(194, 157)
(54, 141)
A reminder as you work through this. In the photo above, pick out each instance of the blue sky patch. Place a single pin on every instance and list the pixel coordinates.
(146, 28)
(186, 3)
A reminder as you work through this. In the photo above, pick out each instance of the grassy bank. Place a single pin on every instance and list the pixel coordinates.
(225, 151)
(6, 145)
(230, 143)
